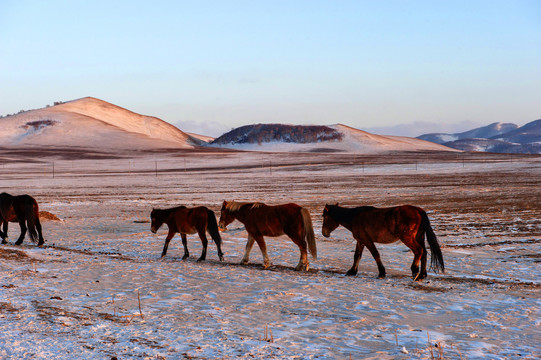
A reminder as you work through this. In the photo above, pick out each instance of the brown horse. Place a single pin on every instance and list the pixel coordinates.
(23, 209)
(371, 225)
(262, 220)
(185, 220)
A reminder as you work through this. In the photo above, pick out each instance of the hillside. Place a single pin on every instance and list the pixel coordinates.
(284, 138)
(90, 123)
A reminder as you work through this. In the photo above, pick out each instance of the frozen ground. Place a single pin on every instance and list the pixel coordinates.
(79, 296)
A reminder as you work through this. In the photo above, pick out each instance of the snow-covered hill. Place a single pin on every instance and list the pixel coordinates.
(90, 123)
(348, 139)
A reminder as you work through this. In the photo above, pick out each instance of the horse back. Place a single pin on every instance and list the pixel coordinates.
(387, 225)
(13, 208)
(190, 220)
(274, 220)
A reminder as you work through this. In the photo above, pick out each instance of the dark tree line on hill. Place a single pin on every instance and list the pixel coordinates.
(264, 133)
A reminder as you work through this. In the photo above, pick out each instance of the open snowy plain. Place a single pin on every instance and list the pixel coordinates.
(99, 290)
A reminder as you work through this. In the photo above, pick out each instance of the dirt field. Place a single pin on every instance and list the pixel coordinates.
(99, 289)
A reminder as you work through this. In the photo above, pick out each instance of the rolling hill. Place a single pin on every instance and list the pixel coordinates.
(90, 123)
(284, 138)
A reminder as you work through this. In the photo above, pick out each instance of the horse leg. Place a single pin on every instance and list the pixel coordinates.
(4, 232)
(248, 249)
(417, 245)
(263, 247)
(205, 242)
(185, 245)
(356, 259)
(167, 239)
(372, 248)
(418, 251)
(303, 264)
(23, 232)
(220, 253)
(417, 256)
(423, 274)
(41, 241)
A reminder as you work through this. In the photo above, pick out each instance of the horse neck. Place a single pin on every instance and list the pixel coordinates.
(241, 213)
(344, 216)
(164, 214)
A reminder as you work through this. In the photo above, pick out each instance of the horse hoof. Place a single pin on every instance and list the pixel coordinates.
(302, 268)
(351, 273)
(200, 259)
(221, 258)
(381, 276)
(185, 257)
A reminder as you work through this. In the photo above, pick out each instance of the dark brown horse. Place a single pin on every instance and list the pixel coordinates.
(185, 220)
(24, 210)
(262, 220)
(370, 225)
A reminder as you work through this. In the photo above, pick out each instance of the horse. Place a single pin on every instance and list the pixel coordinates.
(186, 220)
(23, 209)
(370, 225)
(263, 220)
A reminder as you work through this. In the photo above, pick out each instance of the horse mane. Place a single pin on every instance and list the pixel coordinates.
(236, 205)
(170, 209)
(350, 211)
(359, 209)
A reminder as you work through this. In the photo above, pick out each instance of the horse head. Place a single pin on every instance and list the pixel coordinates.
(329, 223)
(156, 221)
(226, 216)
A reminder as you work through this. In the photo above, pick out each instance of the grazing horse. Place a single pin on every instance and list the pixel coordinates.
(262, 220)
(185, 220)
(371, 225)
(24, 210)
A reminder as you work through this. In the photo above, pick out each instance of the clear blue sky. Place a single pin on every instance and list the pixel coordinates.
(208, 66)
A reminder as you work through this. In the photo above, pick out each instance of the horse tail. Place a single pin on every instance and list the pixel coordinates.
(309, 232)
(31, 210)
(436, 257)
(212, 227)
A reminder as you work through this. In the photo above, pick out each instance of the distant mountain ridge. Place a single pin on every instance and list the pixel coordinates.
(496, 137)
(485, 132)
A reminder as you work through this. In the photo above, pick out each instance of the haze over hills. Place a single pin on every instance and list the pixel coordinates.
(90, 123)
(496, 137)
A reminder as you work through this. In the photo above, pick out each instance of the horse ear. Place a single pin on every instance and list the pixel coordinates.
(326, 207)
